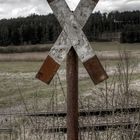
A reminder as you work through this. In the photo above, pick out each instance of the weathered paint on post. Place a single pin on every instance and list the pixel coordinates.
(72, 95)
(62, 46)
(77, 38)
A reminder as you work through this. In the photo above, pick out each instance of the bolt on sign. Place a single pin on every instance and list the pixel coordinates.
(72, 36)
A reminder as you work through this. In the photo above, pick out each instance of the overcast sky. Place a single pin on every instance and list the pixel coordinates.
(16, 8)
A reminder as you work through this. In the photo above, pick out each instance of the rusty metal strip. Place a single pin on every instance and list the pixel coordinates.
(72, 95)
(48, 70)
(95, 70)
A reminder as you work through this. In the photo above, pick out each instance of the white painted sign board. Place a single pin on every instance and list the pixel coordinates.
(72, 36)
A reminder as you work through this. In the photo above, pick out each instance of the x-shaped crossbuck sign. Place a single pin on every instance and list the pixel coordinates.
(72, 36)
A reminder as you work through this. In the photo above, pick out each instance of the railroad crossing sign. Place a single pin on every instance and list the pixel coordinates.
(72, 36)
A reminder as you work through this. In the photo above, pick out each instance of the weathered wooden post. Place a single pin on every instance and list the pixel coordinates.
(72, 95)
(72, 40)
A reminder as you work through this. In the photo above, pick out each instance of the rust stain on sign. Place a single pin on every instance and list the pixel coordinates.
(95, 70)
(47, 70)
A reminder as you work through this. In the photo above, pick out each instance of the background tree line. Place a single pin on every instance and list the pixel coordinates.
(38, 29)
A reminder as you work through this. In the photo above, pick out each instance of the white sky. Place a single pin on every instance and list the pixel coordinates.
(16, 8)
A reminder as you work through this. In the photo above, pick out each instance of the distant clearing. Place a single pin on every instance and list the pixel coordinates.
(39, 52)
(28, 56)
(25, 48)
(99, 46)
(18, 70)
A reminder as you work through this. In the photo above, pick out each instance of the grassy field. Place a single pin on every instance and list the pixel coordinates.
(17, 81)
(106, 49)
(98, 46)
(25, 48)
(110, 46)
(17, 78)
(21, 92)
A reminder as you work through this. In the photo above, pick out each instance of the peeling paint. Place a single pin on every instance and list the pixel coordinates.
(61, 47)
(63, 44)
(72, 35)
(73, 29)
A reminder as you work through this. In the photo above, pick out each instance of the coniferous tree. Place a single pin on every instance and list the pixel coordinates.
(36, 29)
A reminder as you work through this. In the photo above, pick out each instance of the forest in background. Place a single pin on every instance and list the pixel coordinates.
(42, 29)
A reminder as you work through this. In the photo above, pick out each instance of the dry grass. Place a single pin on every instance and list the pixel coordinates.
(25, 48)
(103, 50)
(34, 56)
(19, 91)
(40, 56)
